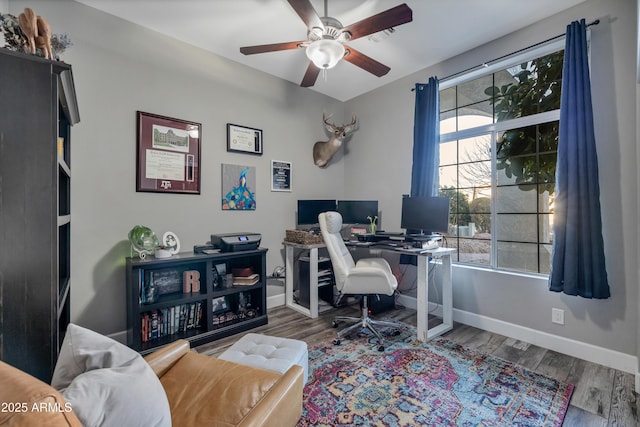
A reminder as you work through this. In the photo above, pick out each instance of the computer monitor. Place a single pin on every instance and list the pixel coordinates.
(308, 210)
(425, 215)
(357, 211)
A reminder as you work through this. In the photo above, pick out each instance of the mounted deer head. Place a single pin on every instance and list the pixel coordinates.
(323, 151)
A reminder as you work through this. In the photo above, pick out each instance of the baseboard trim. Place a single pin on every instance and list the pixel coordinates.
(581, 350)
(119, 336)
(275, 301)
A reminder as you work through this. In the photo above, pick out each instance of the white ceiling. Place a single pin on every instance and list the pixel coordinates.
(440, 30)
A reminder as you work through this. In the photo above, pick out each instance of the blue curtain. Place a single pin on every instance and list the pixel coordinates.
(426, 153)
(577, 266)
(426, 135)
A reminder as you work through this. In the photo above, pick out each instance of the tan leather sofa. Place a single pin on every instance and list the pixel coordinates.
(201, 390)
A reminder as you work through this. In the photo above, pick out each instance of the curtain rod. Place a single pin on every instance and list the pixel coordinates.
(484, 64)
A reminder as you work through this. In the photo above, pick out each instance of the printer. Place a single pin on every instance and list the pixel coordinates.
(235, 242)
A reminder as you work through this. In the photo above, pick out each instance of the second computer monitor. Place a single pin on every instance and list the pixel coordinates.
(425, 215)
(308, 210)
(357, 211)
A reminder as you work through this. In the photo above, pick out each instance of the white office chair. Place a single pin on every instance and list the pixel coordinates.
(369, 276)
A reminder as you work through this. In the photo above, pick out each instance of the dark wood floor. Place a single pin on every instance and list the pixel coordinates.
(602, 397)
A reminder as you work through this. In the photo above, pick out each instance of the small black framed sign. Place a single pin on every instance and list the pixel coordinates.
(242, 139)
(280, 175)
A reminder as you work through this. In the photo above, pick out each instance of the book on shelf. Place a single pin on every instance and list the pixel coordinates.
(145, 322)
(154, 325)
(194, 311)
(245, 281)
(168, 321)
(183, 317)
(61, 147)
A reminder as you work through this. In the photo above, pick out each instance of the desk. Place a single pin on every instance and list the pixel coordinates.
(422, 303)
(422, 299)
(290, 247)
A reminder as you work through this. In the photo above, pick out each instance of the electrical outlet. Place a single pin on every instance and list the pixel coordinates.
(557, 316)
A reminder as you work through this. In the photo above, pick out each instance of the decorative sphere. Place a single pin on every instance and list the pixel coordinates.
(143, 239)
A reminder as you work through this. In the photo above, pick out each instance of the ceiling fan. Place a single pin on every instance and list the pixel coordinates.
(326, 38)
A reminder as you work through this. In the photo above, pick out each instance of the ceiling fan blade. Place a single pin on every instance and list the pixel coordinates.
(366, 62)
(307, 13)
(389, 18)
(310, 76)
(250, 50)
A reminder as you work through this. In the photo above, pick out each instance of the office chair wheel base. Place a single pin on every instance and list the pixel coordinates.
(337, 341)
(380, 348)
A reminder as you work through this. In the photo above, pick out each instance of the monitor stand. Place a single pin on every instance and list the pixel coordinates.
(424, 237)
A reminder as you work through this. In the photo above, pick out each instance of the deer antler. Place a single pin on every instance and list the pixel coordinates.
(325, 119)
(29, 26)
(43, 39)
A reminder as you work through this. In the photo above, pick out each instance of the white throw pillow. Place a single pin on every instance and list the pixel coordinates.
(107, 383)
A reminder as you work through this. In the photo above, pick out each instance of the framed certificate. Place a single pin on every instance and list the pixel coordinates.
(168, 155)
(243, 139)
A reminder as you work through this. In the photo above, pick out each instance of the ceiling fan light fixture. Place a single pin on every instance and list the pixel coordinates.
(325, 53)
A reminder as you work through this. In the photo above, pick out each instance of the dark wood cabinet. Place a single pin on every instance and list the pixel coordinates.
(192, 296)
(38, 109)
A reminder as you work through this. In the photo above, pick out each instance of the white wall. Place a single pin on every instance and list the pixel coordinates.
(610, 324)
(120, 68)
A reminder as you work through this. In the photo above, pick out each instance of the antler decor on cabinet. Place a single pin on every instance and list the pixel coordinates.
(323, 151)
(37, 31)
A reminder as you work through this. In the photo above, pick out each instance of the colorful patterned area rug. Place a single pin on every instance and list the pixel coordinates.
(439, 383)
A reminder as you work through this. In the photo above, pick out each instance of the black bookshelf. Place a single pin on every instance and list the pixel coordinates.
(218, 309)
(38, 109)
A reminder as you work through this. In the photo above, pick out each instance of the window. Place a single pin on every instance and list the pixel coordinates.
(498, 145)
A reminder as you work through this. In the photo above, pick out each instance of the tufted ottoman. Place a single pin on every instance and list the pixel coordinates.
(270, 353)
